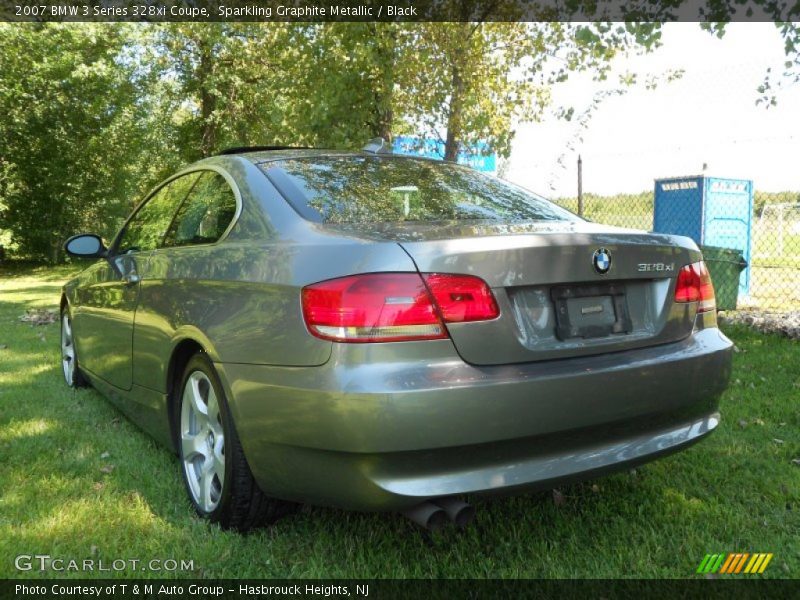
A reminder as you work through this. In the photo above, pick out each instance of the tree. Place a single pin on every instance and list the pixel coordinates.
(773, 82)
(474, 80)
(343, 82)
(218, 83)
(98, 114)
(70, 109)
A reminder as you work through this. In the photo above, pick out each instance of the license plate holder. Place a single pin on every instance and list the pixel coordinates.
(591, 310)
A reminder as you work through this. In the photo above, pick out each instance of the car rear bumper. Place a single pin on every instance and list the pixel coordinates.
(370, 431)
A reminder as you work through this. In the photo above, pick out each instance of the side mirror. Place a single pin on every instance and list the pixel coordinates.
(85, 245)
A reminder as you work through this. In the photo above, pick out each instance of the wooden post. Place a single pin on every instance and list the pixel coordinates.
(580, 186)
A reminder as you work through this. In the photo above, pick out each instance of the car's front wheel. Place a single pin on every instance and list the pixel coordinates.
(215, 472)
(69, 355)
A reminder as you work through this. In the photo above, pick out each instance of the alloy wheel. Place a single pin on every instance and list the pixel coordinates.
(202, 441)
(67, 350)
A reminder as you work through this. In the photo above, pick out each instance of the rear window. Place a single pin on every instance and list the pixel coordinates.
(357, 189)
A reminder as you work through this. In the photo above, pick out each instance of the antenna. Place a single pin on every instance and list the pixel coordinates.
(377, 146)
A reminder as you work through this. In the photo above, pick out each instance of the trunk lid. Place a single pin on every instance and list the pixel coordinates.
(553, 302)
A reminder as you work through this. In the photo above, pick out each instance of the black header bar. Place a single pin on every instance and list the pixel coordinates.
(384, 589)
(266, 11)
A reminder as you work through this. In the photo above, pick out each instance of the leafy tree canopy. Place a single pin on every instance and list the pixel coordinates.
(94, 115)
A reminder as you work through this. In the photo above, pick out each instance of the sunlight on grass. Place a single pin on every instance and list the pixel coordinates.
(678, 502)
(49, 301)
(27, 376)
(21, 429)
(96, 516)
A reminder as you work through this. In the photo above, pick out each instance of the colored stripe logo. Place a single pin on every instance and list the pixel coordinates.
(735, 563)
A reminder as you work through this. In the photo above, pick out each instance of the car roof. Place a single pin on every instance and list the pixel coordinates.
(261, 155)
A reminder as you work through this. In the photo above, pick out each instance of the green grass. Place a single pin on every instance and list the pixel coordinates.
(737, 491)
(622, 210)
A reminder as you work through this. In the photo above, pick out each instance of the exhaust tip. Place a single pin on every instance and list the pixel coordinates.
(459, 512)
(427, 515)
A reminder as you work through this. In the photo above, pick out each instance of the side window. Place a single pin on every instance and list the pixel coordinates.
(147, 227)
(206, 214)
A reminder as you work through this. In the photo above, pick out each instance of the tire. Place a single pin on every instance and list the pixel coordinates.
(218, 480)
(69, 354)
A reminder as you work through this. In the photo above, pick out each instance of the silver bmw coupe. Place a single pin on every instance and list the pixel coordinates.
(379, 332)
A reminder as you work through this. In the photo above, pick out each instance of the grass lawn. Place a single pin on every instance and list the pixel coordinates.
(79, 481)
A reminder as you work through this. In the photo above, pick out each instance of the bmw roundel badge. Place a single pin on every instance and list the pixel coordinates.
(601, 260)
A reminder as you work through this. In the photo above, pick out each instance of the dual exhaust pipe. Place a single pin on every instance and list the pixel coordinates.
(433, 515)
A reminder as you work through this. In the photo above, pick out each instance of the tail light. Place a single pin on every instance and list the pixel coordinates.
(394, 307)
(462, 298)
(694, 285)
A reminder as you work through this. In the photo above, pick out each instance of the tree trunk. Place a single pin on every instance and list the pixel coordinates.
(58, 236)
(384, 125)
(454, 116)
(385, 49)
(3, 182)
(208, 101)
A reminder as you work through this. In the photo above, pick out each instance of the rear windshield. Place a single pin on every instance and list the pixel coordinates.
(356, 189)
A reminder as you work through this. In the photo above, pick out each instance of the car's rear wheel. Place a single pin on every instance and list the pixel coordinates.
(215, 472)
(69, 355)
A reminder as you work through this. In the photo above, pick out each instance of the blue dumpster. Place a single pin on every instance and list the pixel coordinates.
(710, 210)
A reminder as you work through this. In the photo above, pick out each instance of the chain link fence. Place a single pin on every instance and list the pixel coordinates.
(750, 239)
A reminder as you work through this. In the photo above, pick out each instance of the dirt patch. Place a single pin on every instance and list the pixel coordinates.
(40, 316)
(787, 324)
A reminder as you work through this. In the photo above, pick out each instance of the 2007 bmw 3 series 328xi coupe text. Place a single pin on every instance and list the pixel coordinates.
(379, 332)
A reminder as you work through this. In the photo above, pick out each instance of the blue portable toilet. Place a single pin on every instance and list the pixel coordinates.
(711, 210)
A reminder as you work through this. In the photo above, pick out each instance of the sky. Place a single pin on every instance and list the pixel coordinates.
(708, 116)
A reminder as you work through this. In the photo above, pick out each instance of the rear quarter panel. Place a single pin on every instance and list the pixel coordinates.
(241, 301)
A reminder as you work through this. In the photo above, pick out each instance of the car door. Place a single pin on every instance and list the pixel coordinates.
(104, 319)
(180, 289)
